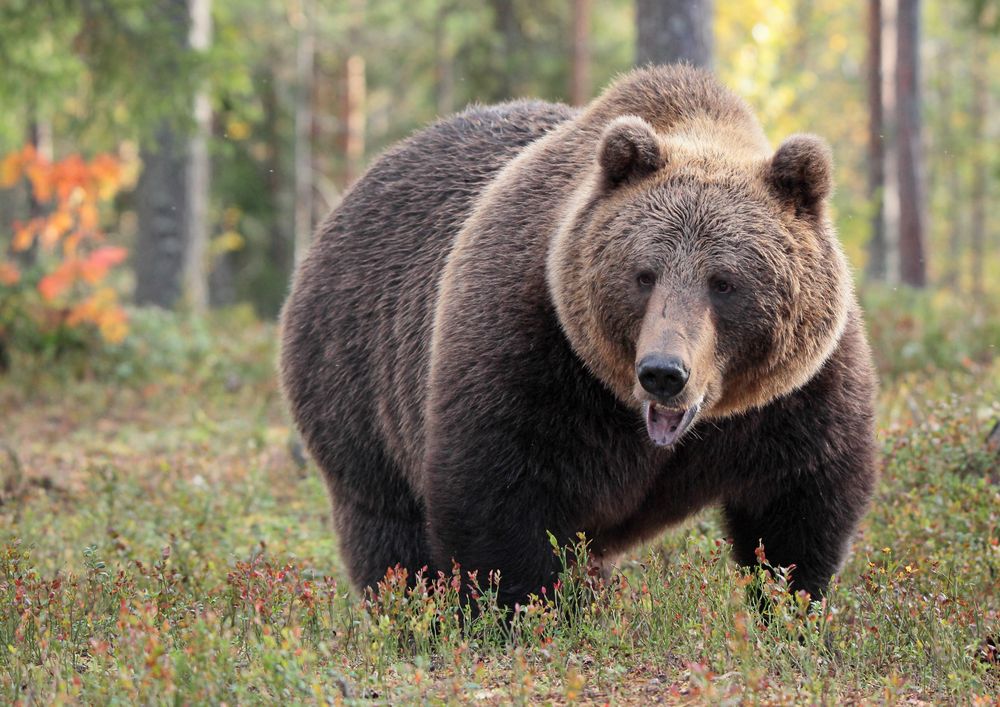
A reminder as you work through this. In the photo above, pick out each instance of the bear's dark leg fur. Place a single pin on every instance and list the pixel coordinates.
(371, 543)
(379, 521)
(510, 538)
(809, 525)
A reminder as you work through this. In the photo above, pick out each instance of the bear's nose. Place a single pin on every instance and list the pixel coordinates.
(662, 376)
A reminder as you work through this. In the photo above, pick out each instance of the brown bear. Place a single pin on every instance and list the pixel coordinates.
(529, 319)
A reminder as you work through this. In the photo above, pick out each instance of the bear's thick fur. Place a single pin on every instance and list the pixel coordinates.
(529, 319)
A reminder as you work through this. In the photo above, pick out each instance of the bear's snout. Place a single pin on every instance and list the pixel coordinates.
(661, 375)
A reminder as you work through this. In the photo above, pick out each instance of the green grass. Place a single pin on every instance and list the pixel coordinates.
(159, 545)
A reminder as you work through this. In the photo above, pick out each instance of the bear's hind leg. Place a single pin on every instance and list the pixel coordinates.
(372, 542)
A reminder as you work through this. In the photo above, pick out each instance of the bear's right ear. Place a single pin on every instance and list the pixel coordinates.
(629, 151)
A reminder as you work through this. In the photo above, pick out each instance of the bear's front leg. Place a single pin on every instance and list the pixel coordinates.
(809, 523)
(492, 518)
(519, 437)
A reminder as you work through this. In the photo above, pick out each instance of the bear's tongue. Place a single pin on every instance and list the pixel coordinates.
(665, 426)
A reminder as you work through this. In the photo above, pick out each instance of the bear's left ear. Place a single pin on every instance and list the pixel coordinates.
(629, 150)
(801, 173)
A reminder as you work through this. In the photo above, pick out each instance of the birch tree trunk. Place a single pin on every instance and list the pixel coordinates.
(199, 171)
(890, 143)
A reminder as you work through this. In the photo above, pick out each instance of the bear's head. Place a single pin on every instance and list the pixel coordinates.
(697, 277)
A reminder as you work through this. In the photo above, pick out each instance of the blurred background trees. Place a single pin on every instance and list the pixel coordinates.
(246, 120)
(669, 31)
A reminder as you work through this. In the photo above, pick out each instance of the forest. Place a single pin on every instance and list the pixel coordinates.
(164, 537)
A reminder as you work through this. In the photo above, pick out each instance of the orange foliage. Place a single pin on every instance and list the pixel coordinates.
(100, 308)
(9, 274)
(91, 270)
(71, 246)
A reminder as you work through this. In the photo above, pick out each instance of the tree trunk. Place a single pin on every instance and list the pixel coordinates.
(877, 250)
(305, 62)
(912, 258)
(354, 117)
(950, 166)
(980, 160)
(444, 68)
(505, 22)
(199, 175)
(890, 193)
(282, 242)
(40, 137)
(579, 87)
(162, 199)
(674, 31)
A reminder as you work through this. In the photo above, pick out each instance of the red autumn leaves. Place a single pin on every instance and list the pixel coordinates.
(74, 259)
(91, 269)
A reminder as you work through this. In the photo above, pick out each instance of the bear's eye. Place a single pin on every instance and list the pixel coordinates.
(645, 279)
(720, 285)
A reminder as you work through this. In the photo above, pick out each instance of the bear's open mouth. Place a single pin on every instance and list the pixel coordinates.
(665, 426)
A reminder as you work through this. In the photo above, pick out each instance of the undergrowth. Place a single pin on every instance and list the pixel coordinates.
(158, 544)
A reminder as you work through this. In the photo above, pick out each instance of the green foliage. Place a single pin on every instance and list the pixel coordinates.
(985, 15)
(95, 69)
(103, 73)
(230, 345)
(226, 349)
(938, 333)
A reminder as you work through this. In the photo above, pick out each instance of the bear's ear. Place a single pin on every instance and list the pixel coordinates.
(801, 173)
(629, 150)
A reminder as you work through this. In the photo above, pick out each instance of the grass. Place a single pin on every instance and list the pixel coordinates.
(158, 544)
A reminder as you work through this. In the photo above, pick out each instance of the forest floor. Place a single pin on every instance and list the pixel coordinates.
(159, 544)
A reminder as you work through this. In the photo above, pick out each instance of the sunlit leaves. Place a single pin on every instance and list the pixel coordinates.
(70, 259)
(9, 274)
(10, 170)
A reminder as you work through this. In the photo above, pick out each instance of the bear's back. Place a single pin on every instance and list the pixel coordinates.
(357, 325)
